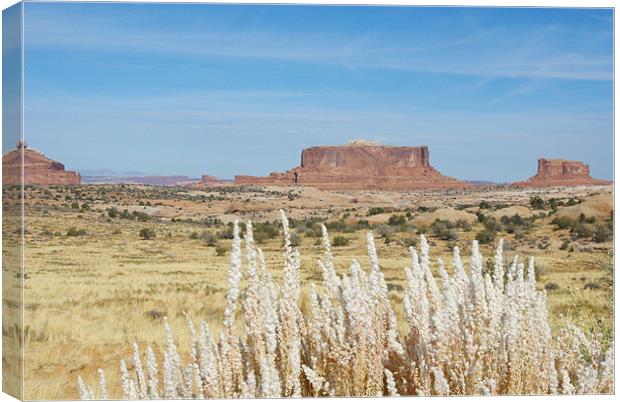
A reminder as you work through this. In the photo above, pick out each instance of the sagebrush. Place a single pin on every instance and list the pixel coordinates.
(482, 332)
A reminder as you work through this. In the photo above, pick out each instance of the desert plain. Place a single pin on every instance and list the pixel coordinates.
(104, 264)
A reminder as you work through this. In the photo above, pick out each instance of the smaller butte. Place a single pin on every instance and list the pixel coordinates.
(212, 181)
(561, 172)
(38, 169)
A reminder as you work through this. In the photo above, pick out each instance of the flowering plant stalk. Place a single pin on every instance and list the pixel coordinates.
(467, 334)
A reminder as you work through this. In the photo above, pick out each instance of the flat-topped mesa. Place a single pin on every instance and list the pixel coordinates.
(560, 172)
(38, 169)
(361, 165)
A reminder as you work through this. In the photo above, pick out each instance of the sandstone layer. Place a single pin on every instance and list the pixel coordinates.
(560, 172)
(598, 206)
(38, 169)
(361, 166)
(212, 181)
(444, 214)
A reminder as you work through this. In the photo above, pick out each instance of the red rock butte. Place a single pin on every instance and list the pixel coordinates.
(561, 172)
(361, 165)
(212, 181)
(38, 169)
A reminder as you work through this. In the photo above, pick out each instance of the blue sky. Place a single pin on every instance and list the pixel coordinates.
(224, 90)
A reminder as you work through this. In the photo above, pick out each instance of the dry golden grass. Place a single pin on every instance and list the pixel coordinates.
(88, 297)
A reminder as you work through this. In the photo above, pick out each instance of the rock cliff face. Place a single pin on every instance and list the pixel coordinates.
(361, 166)
(209, 181)
(560, 172)
(38, 169)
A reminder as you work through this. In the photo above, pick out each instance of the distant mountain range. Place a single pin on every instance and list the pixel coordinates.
(107, 176)
(112, 173)
(484, 183)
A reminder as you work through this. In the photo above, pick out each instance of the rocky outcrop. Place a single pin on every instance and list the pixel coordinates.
(361, 165)
(560, 172)
(444, 214)
(599, 206)
(212, 181)
(38, 169)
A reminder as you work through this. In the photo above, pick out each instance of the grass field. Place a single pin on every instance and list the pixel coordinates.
(93, 285)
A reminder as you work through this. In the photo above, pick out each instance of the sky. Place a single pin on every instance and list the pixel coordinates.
(224, 89)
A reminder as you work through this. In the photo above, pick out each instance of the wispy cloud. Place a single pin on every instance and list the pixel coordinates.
(524, 88)
(497, 52)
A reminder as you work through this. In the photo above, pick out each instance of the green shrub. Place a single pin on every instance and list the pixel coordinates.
(220, 251)
(444, 230)
(295, 240)
(265, 231)
(147, 233)
(397, 220)
(209, 222)
(72, 232)
(377, 210)
(586, 219)
(310, 229)
(260, 237)
(512, 224)
(554, 203)
(113, 212)
(362, 224)
(486, 236)
(581, 231)
(564, 222)
(592, 286)
(463, 224)
(602, 233)
(537, 202)
(209, 238)
(336, 226)
(519, 233)
(410, 242)
(227, 233)
(551, 286)
(493, 225)
(565, 245)
(516, 219)
(384, 230)
(140, 216)
(340, 241)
